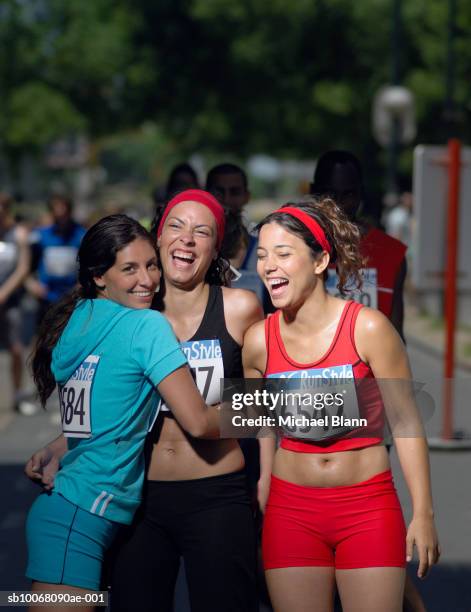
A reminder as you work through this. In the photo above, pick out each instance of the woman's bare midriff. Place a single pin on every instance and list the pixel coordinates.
(330, 469)
(177, 456)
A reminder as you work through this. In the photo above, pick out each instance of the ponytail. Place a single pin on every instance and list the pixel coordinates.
(50, 330)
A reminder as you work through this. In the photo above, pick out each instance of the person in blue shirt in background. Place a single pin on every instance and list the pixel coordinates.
(113, 359)
(55, 251)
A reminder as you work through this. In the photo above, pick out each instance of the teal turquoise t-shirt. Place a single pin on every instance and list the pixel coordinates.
(107, 363)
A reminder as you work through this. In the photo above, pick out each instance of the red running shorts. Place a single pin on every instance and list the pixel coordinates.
(349, 527)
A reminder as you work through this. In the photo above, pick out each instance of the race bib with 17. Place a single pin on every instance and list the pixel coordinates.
(318, 403)
(207, 366)
(75, 400)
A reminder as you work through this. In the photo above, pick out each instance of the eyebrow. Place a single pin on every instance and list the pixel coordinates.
(278, 246)
(181, 221)
(135, 263)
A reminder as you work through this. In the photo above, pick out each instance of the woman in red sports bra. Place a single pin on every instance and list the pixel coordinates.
(333, 515)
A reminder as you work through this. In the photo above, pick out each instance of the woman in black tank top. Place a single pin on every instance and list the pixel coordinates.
(196, 505)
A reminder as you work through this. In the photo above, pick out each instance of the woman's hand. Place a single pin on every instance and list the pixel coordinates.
(423, 536)
(42, 467)
(263, 489)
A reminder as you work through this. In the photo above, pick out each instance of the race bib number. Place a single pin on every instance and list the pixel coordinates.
(206, 364)
(75, 400)
(60, 260)
(317, 404)
(367, 295)
(8, 259)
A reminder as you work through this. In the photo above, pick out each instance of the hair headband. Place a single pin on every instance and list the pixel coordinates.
(202, 197)
(311, 224)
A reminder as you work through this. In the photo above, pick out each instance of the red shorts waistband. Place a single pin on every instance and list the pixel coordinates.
(383, 478)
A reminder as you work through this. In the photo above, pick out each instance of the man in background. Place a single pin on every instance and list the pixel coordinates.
(339, 175)
(55, 252)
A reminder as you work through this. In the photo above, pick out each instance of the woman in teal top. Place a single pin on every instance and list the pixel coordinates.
(113, 360)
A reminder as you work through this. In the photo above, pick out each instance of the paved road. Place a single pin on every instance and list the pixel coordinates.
(446, 590)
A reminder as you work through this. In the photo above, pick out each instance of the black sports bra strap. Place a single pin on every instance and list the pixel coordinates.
(206, 326)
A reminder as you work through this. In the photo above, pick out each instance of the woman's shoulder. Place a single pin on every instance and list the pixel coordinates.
(373, 332)
(148, 326)
(240, 300)
(148, 316)
(371, 322)
(254, 353)
(242, 306)
(128, 320)
(256, 334)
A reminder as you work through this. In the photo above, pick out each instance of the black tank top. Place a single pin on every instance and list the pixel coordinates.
(212, 330)
(213, 327)
(212, 353)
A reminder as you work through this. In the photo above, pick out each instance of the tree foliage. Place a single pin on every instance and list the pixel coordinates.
(287, 78)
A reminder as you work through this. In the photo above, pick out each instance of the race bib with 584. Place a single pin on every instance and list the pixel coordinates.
(317, 403)
(206, 364)
(75, 400)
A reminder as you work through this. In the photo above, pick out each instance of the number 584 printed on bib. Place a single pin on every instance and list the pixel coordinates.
(75, 400)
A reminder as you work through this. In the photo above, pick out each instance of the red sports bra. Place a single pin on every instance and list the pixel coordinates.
(342, 352)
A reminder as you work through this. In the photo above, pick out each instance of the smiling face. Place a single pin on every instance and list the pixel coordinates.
(133, 278)
(287, 267)
(187, 244)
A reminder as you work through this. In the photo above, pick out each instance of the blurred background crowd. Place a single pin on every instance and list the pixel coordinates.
(114, 105)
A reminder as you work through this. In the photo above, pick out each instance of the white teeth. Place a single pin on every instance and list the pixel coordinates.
(142, 293)
(275, 282)
(184, 255)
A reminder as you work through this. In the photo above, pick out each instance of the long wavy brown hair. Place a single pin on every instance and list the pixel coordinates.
(342, 235)
(96, 255)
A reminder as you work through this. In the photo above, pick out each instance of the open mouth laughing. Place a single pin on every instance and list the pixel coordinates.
(277, 285)
(181, 257)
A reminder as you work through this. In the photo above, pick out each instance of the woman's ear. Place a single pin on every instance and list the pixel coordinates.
(99, 283)
(322, 263)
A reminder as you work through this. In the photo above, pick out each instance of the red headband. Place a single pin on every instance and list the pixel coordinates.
(202, 197)
(311, 224)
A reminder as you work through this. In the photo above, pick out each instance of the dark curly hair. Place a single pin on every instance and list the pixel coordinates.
(342, 235)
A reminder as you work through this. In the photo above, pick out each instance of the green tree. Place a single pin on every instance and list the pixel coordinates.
(289, 79)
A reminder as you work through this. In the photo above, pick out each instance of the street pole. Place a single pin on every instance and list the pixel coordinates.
(454, 167)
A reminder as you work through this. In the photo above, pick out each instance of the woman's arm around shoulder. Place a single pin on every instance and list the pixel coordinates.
(182, 397)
